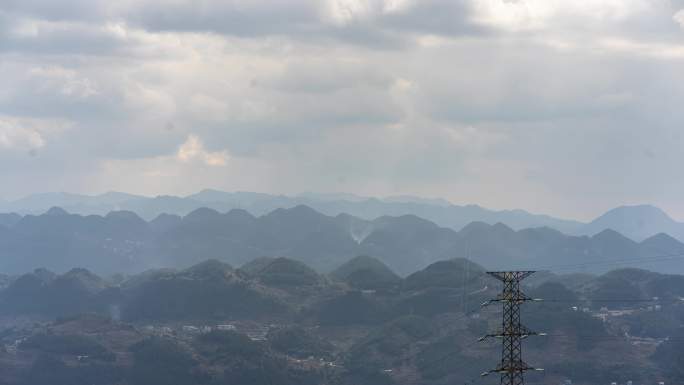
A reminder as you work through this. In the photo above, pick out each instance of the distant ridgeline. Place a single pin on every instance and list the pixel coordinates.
(436, 210)
(122, 242)
(635, 222)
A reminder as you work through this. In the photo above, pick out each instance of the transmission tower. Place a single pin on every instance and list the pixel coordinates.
(511, 367)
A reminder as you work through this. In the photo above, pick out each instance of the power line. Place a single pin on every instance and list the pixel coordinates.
(600, 300)
(610, 336)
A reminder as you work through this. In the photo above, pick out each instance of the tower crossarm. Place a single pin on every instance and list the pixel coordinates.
(521, 331)
(519, 297)
(511, 275)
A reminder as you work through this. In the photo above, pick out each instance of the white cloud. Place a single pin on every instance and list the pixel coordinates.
(679, 18)
(553, 15)
(13, 137)
(25, 134)
(628, 46)
(342, 12)
(65, 81)
(193, 150)
(390, 6)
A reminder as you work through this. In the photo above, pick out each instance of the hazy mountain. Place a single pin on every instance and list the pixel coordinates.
(208, 268)
(332, 197)
(123, 242)
(414, 199)
(86, 204)
(57, 240)
(5, 280)
(208, 290)
(418, 334)
(284, 272)
(624, 286)
(454, 273)
(662, 244)
(365, 272)
(437, 210)
(254, 266)
(43, 292)
(164, 222)
(9, 219)
(635, 222)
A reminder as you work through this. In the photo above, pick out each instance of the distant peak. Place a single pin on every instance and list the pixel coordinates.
(640, 207)
(417, 199)
(208, 193)
(165, 216)
(502, 227)
(56, 211)
(44, 274)
(643, 209)
(660, 236)
(78, 271)
(363, 258)
(662, 244)
(123, 214)
(302, 210)
(202, 213)
(209, 266)
(610, 234)
(405, 220)
(114, 194)
(607, 233)
(476, 226)
(332, 196)
(239, 213)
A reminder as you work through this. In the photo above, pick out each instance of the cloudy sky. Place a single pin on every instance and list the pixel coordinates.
(562, 107)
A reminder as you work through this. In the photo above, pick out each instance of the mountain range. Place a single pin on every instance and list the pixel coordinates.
(280, 313)
(122, 242)
(635, 222)
(436, 210)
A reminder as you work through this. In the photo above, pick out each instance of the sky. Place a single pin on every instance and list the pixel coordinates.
(561, 107)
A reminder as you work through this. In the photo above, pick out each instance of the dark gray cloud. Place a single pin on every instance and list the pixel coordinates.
(60, 38)
(241, 18)
(375, 23)
(79, 10)
(440, 17)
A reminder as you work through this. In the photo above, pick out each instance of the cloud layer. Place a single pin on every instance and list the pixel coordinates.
(561, 107)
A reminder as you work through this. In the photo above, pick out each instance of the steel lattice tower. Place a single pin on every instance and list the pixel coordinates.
(511, 367)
